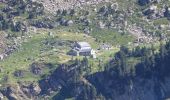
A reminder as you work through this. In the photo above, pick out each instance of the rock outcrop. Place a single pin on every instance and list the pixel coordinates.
(54, 5)
(145, 2)
(21, 92)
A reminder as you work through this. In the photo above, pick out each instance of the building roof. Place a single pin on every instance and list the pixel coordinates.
(83, 47)
(83, 44)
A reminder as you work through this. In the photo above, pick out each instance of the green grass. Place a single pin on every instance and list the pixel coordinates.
(28, 50)
(32, 46)
(31, 49)
(111, 37)
(18, 60)
(161, 21)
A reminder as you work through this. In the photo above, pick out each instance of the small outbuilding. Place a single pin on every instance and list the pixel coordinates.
(105, 47)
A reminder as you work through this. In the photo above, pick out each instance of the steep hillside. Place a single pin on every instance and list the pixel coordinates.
(129, 39)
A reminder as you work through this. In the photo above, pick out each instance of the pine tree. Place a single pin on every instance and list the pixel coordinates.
(121, 60)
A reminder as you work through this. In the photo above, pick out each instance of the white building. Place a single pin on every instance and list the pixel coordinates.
(83, 49)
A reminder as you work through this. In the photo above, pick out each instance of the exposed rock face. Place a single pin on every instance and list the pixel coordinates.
(55, 81)
(54, 5)
(10, 93)
(3, 45)
(110, 86)
(63, 80)
(32, 90)
(21, 92)
(5, 48)
(152, 9)
(35, 89)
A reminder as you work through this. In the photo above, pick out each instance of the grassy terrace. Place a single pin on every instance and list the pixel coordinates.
(19, 59)
(112, 37)
(31, 51)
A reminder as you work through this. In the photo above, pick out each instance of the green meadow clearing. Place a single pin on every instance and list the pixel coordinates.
(34, 50)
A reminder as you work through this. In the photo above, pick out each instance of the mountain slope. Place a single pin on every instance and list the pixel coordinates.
(130, 38)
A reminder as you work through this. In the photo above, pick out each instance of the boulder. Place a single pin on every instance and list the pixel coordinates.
(101, 25)
(151, 10)
(115, 6)
(10, 93)
(19, 73)
(35, 89)
(69, 23)
(1, 96)
(36, 68)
